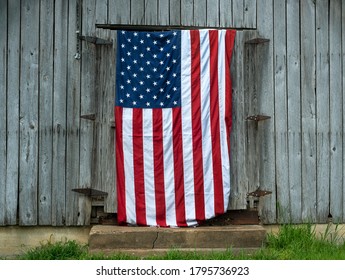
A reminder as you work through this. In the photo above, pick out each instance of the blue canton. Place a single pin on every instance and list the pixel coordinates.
(148, 69)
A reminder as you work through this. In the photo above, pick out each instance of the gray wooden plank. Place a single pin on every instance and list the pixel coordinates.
(265, 90)
(28, 178)
(343, 90)
(336, 112)
(163, 12)
(239, 180)
(59, 114)
(73, 118)
(322, 107)
(105, 155)
(225, 11)
(138, 12)
(308, 107)
(101, 11)
(249, 13)
(119, 12)
(46, 113)
(187, 12)
(87, 98)
(151, 12)
(212, 13)
(200, 13)
(281, 114)
(175, 12)
(3, 112)
(238, 13)
(251, 96)
(294, 107)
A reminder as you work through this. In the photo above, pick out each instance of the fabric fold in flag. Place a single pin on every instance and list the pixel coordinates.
(172, 126)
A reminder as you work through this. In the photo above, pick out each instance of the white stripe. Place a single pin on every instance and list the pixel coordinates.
(223, 132)
(128, 164)
(187, 139)
(206, 124)
(149, 179)
(169, 182)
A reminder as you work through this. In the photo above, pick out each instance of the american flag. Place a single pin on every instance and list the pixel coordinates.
(173, 120)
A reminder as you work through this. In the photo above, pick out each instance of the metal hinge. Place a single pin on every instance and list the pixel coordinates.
(90, 117)
(95, 40)
(257, 118)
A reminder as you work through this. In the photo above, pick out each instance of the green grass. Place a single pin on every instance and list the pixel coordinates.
(290, 243)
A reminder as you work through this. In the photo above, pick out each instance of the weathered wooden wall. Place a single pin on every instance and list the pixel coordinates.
(57, 92)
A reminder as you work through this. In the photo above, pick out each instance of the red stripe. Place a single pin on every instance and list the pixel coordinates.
(196, 126)
(138, 165)
(120, 170)
(215, 125)
(178, 168)
(158, 155)
(229, 45)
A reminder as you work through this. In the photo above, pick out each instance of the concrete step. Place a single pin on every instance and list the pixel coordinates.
(148, 240)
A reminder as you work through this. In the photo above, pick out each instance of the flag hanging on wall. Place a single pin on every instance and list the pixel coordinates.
(173, 120)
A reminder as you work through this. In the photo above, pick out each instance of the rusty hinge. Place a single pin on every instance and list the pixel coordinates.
(95, 40)
(90, 192)
(259, 193)
(257, 118)
(90, 117)
(257, 41)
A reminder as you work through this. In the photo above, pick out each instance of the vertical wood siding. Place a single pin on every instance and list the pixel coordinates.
(297, 78)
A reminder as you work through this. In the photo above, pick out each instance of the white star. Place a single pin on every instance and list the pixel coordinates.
(122, 59)
(161, 62)
(134, 89)
(154, 83)
(148, 49)
(135, 61)
(168, 96)
(174, 75)
(128, 81)
(122, 73)
(135, 75)
(155, 42)
(129, 39)
(123, 32)
(154, 97)
(148, 76)
(168, 82)
(134, 103)
(128, 53)
(128, 67)
(148, 35)
(148, 90)
(175, 33)
(161, 90)
(175, 88)
(174, 47)
(141, 68)
(147, 103)
(135, 47)
(154, 69)
(154, 56)
(141, 41)
(161, 35)
(168, 41)
(161, 49)
(168, 68)
(122, 87)
(162, 104)
(121, 100)
(148, 62)
(141, 82)
(128, 95)
(123, 45)
(175, 102)
(168, 54)
(174, 61)
(161, 76)
(141, 96)
(135, 33)
(141, 55)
